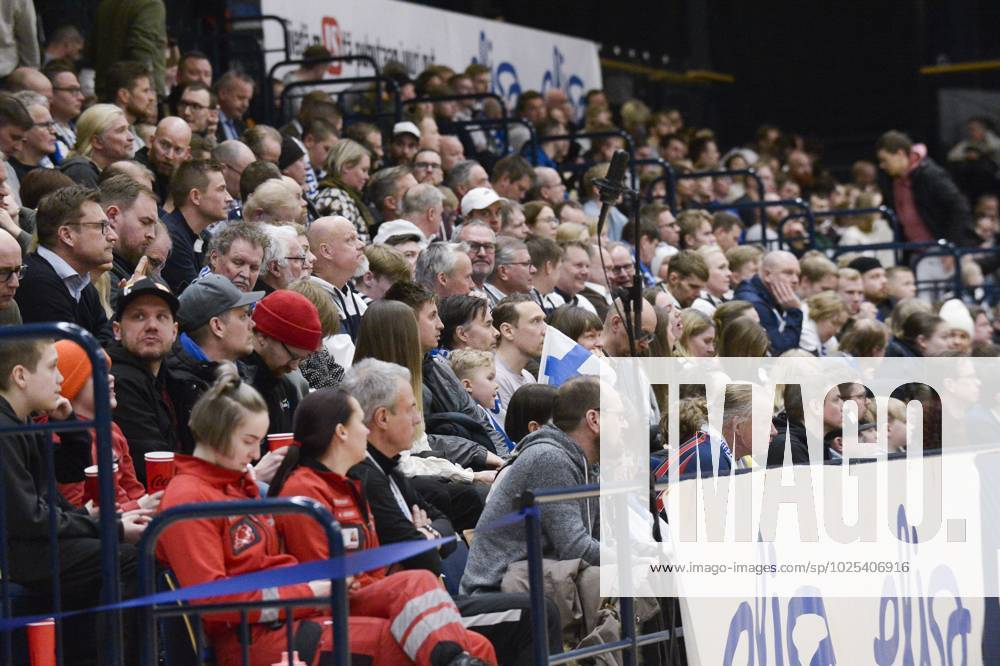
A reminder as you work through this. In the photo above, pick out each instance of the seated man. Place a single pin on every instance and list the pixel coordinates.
(215, 319)
(390, 413)
(285, 259)
(29, 384)
(468, 324)
(512, 271)
(561, 455)
(145, 330)
(772, 294)
(521, 323)
(687, 274)
(74, 238)
(445, 269)
(236, 252)
(286, 330)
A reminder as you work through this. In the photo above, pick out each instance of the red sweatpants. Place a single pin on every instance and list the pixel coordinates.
(397, 620)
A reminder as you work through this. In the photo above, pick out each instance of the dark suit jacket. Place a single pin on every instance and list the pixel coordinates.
(42, 296)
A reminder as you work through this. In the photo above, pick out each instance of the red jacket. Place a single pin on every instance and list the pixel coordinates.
(200, 551)
(344, 499)
(127, 487)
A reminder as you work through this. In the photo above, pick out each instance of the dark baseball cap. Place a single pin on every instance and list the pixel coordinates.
(209, 297)
(146, 286)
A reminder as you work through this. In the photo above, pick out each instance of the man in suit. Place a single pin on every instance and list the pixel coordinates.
(234, 90)
(74, 238)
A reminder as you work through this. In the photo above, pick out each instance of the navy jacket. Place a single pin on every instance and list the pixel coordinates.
(42, 296)
(185, 257)
(783, 326)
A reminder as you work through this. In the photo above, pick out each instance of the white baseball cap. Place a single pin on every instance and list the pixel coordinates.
(389, 230)
(405, 127)
(479, 198)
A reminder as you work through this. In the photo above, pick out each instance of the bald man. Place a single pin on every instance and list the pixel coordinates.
(234, 156)
(169, 146)
(773, 295)
(339, 257)
(29, 78)
(10, 278)
(140, 173)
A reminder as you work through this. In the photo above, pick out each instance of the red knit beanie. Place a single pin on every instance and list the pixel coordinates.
(289, 317)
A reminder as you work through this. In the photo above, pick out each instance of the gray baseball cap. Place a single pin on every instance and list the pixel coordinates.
(209, 297)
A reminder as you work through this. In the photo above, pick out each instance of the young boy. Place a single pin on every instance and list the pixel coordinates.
(78, 388)
(477, 372)
(29, 384)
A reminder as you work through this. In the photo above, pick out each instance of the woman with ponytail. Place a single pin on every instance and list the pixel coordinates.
(331, 438)
(228, 423)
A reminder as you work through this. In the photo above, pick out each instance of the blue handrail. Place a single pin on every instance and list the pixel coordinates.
(283, 505)
(108, 520)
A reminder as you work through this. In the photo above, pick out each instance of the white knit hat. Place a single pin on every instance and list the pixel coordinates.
(957, 316)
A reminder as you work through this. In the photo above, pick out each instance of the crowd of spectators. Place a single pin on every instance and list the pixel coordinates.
(384, 292)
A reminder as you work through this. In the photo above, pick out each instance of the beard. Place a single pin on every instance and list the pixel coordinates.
(362, 268)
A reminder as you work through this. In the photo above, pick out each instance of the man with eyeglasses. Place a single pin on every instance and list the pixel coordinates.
(169, 146)
(11, 273)
(66, 104)
(74, 238)
(193, 105)
(286, 332)
(482, 244)
(513, 271)
(427, 167)
(615, 338)
(39, 141)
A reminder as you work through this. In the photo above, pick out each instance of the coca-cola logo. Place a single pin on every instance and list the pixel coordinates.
(333, 41)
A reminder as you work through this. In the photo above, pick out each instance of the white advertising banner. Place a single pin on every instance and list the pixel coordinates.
(520, 58)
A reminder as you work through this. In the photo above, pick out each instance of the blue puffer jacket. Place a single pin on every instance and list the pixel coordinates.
(783, 326)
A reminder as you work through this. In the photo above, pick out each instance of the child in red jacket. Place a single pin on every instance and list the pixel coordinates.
(78, 388)
(228, 423)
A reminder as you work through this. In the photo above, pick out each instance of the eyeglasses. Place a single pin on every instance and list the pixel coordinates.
(516, 263)
(645, 338)
(11, 271)
(302, 259)
(190, 105)
(624, 268)
(426, 165)
(72, 91)
(478, 247)
(292, 356)
(50, 125)
(105, 225)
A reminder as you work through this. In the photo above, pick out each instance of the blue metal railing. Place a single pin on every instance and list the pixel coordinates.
(271, 506)
(630, 641)
(111, 650)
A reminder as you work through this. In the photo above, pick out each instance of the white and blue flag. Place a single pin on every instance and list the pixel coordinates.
(562, 358)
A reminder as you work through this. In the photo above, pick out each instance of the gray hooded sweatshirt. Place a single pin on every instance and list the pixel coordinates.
(547, 458)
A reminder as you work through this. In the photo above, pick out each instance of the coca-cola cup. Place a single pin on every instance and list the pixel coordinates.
(159, 470)
(42, 643)
(280, 440)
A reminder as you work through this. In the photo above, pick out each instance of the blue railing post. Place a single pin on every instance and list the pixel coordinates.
(536, 580)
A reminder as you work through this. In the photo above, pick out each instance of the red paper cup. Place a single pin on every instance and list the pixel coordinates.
(159, 470)
(42, 643)
(91, 491)
(280, 440)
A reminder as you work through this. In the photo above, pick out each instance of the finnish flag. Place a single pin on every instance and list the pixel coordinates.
(563, 358)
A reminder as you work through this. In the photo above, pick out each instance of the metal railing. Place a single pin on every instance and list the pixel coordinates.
(267, 92)
(271, 506)
(111, 649)
(377, 79)
(805, 212)
(630, 641)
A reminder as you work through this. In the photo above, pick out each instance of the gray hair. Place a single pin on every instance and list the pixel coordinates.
(506, 248)
(436, 259)
(374, 384)
(460, 173)
(280, 237)
(420, 198)
(475, 224)
(29, 98)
